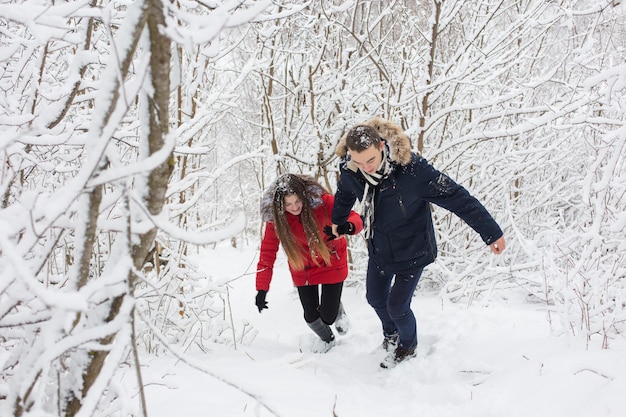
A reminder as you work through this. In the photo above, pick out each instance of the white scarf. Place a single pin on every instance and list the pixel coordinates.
(371, 181)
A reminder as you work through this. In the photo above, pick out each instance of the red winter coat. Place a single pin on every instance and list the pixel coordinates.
(312, 274)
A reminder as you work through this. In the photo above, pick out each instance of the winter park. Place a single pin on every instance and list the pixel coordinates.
(338, 208)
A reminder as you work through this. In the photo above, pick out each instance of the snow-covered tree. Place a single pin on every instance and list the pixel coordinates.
(134, 132)
(88, 150)
(498, 94)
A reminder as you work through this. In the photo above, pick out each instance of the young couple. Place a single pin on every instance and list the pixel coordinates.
(396, 187)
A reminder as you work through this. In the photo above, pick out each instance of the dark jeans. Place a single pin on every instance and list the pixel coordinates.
(326, 308)
(392, 303)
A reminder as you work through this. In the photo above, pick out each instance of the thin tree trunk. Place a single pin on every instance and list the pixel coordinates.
(157, 179)
(431, 70)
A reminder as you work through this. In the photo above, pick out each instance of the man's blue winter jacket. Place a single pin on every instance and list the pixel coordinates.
(402, 238)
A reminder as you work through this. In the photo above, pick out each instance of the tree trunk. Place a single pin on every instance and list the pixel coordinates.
(157, 179)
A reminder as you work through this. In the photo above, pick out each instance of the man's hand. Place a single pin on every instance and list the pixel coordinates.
(346, 229)
(498, 246)
(335, 231)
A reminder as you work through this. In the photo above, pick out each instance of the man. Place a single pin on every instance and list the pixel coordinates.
(396, 186)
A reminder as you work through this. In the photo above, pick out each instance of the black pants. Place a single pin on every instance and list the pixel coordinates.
(326, 308)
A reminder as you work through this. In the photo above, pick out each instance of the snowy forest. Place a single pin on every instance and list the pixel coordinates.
(136, 133)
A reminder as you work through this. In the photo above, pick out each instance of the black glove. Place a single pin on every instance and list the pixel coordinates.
(260, 300)
(344, 229)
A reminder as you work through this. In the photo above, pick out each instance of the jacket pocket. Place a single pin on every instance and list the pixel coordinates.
(407, 247)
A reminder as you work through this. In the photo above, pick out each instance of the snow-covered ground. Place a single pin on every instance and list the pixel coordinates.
(500, 360)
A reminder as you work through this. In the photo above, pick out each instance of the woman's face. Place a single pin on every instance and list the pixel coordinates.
(293, 204)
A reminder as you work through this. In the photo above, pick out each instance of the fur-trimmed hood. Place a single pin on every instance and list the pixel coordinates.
(313, 191)
(399, 143)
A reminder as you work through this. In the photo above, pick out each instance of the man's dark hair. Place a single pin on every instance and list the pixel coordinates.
(361, 137)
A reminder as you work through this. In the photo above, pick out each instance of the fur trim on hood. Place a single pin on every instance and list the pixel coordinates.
(399, 143)
(313, 191)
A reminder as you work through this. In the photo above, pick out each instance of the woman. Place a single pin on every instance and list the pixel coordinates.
(297, 211)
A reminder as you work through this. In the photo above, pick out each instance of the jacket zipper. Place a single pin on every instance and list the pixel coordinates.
(402, 208)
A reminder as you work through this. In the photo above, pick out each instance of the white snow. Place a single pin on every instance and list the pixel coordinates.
(500, 360)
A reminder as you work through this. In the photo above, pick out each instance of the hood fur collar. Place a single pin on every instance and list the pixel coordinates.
(314, 193)
(399, 143)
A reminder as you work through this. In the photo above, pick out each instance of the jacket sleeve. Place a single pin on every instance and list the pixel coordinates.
(441, 190)
(267, 257)
(345, 197)
(353, 216)
(356, 219)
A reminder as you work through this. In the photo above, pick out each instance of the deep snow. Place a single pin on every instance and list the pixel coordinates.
(496, 360)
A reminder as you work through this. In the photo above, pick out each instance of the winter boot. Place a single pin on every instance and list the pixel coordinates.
(397, 356)
(342, 324)
(390, 341)
(323, 330)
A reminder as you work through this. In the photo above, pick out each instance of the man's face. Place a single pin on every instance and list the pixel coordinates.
(369, 160)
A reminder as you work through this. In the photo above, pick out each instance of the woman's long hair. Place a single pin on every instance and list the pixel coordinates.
(310, 193)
